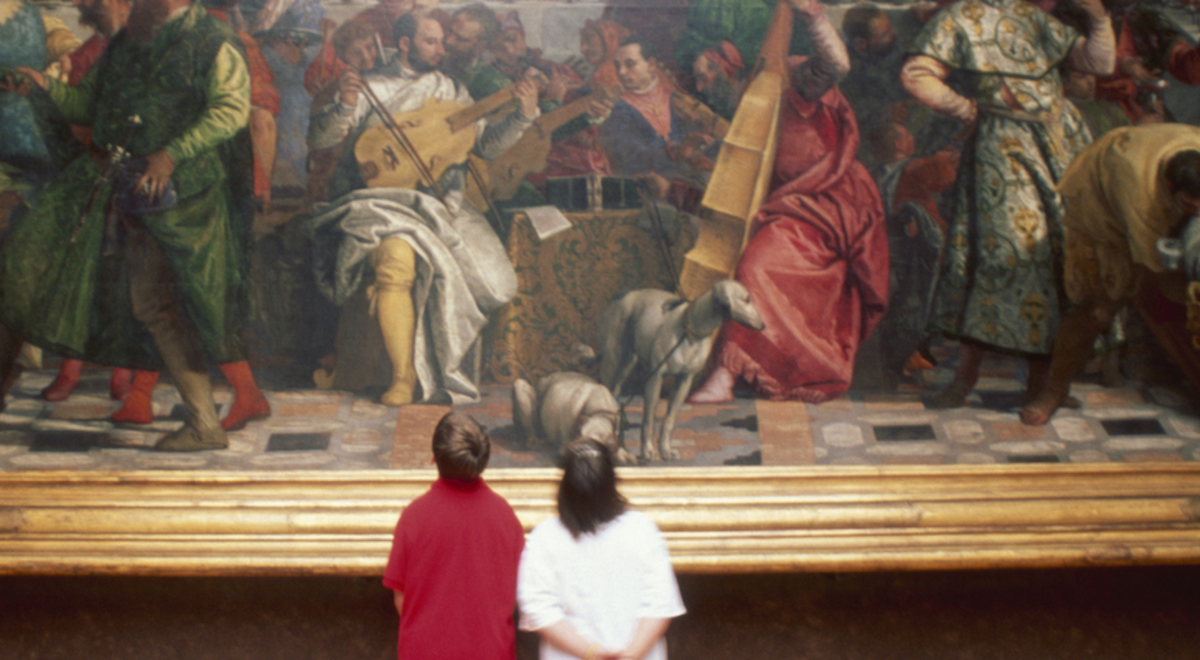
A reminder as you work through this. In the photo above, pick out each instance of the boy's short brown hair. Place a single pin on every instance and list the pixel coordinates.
(461, 447)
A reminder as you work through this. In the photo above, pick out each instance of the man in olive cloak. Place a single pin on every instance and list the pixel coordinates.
(147, 268)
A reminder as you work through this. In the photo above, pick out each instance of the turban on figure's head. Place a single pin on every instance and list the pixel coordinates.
(726, 56)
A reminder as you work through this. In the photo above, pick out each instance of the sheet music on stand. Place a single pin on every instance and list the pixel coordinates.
(547, 221)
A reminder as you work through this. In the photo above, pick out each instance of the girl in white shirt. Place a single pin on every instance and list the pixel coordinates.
(596, 582)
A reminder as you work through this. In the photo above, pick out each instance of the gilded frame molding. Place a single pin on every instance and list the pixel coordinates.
(716, 520)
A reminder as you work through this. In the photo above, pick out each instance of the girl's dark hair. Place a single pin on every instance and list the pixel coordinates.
(1183, 172)
(587, 495)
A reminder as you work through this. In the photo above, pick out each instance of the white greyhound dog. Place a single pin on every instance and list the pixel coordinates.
(565, 406)
(667, 336)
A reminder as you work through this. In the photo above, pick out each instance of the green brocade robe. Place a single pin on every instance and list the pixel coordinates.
(191, 89)
(1002, 267)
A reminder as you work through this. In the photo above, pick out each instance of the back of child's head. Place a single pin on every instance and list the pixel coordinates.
(461, 447)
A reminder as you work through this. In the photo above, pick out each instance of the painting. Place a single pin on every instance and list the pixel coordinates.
(808, 266)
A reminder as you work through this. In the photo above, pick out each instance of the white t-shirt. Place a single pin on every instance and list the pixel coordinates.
(602, 583)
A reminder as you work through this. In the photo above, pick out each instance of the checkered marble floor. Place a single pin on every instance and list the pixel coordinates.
(329, 430)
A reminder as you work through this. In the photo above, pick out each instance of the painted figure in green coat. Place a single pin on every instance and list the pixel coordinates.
(111, 271)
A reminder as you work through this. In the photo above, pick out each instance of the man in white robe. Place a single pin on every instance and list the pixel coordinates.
(439, 268)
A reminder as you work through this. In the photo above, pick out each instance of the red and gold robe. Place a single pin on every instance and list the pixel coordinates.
(816, 265)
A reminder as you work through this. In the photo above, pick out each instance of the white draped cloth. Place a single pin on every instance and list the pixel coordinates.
(463, 274)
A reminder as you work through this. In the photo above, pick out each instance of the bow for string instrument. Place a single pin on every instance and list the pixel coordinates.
(741, 177)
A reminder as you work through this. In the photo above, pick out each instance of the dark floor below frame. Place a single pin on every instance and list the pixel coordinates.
(1098, 613)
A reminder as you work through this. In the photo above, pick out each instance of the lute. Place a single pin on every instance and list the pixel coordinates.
(529, 154)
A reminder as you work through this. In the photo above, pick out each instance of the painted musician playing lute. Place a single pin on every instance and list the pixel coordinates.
(438, 267)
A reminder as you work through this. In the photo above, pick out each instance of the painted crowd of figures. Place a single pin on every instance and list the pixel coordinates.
(998, 172)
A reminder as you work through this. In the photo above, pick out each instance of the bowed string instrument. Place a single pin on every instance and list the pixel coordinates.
(741, 177)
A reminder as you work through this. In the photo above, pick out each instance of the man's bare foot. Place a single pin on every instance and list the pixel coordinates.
(917, 362)
(1038, 412)
(717, 389)
(954, 396)
(1069, 401)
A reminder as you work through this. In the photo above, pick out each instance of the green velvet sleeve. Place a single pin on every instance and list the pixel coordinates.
(74, 101)
(227, 90)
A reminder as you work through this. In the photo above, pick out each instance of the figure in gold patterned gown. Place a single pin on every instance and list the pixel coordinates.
(999, 287)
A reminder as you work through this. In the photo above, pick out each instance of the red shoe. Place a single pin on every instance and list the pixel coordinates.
(249, 403)
(138, 408)
(120, 384)
(242, 412)
(65, 382)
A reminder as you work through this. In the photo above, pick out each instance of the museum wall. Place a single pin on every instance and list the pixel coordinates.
(1117, 613)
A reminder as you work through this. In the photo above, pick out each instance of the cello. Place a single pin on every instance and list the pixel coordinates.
(741, 178)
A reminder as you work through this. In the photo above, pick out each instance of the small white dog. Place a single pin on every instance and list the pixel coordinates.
(667, 336)
(566, 406)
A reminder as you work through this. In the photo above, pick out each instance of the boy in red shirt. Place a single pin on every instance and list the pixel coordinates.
(453, 565)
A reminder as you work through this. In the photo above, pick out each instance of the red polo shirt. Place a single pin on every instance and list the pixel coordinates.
(454, 556)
